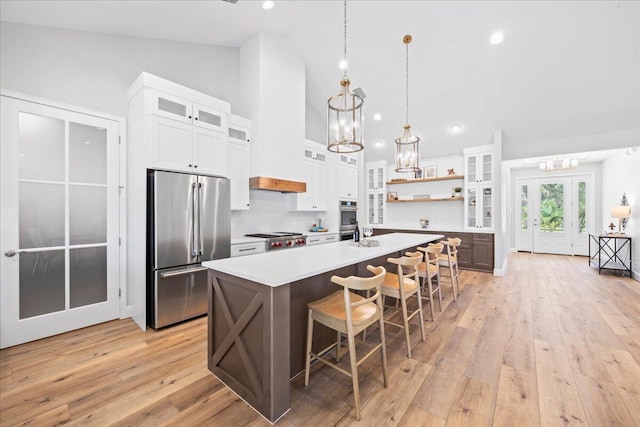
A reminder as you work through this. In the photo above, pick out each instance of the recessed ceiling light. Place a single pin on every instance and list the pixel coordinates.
(267, 4)
(379, 144)
(377, 116)
(343, 64)
(87, 142)
(497, 37)
(455, 129)
(21, 154)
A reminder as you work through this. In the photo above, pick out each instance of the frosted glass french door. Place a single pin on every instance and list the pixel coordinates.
(59, 217)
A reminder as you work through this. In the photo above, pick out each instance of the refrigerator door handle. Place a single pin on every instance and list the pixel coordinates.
(200, 230)
(181, 272)
(194, 248)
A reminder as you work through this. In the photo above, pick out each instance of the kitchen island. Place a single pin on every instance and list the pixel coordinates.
(258, 311)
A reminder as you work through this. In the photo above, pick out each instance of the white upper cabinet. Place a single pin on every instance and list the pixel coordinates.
(176, 108)
(315, 175)
(479, 168)
(239, 160)
(348, 176)
(180, 146)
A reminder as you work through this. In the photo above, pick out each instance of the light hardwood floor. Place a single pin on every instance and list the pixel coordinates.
(551, 343)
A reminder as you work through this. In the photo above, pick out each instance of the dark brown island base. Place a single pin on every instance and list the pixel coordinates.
(258, 312)
(474, 253)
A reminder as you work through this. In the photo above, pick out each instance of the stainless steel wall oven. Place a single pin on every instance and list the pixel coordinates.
(348, 218)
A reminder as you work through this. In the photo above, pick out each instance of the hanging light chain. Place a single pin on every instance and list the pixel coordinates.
(345, 38)
(407, 84)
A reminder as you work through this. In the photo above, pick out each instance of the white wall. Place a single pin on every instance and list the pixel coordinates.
(94, 70)
(621, 174)
(443, 216)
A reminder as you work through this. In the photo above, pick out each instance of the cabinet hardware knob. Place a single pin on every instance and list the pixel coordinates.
(196, 118)
(189, 116)
(195, 166)
(190, 165)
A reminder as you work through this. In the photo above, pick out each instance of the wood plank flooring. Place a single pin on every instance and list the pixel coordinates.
(551, 343)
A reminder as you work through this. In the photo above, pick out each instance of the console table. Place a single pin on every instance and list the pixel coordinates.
(610, 251)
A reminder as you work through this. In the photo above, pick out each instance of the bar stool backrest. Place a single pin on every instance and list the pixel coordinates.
(361, 284)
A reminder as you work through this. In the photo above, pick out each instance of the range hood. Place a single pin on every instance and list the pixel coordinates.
(274, 184)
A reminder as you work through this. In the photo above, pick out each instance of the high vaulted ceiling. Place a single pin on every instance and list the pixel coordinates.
(564, 69)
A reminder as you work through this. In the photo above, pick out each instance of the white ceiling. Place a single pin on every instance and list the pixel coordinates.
(564, 69)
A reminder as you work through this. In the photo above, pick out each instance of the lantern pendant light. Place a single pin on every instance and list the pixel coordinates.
(407, 155)
(344, 118)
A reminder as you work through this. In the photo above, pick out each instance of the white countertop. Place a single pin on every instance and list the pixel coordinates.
(429, 230)
(320, 233)
(276, 268)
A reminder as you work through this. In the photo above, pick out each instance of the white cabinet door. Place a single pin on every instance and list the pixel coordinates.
(321, 187)
(208, 118)
(209, 152)
(315, 170)
(376, 176)
(238, 158)
(479, 168)
(171, 144)
(479, 207)
(347, 183)
(306, 200)
(171, 107)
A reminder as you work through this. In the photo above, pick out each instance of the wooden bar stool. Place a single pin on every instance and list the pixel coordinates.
(403, 286)
(450, 260)
(349, 313)
(427, 271)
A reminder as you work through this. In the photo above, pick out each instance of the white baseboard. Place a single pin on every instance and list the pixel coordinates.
(512, 250)
(501, 271)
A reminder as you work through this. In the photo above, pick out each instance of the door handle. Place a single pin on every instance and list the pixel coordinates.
(11, 253)
(201, 243)
(194, 249)
(181, 272)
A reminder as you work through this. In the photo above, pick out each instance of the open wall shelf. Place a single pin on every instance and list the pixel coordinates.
(444, 199)
(438, 178)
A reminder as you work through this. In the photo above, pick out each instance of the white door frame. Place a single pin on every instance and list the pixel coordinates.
(525, 242)
(121, 129)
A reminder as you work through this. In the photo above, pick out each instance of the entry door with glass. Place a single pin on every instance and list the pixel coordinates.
(59, 217)
(554, 214)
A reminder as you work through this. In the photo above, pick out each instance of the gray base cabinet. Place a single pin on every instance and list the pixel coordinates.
(474, 253)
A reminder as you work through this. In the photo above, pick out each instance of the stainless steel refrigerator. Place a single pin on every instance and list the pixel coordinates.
(188, 222)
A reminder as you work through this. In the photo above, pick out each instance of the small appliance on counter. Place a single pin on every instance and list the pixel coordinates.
(188, 222)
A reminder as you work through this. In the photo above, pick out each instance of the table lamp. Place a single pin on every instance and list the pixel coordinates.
(620, 212)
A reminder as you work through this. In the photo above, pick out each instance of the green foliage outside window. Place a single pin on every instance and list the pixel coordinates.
(551, 207)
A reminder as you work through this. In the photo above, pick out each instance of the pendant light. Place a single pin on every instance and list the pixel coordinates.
(344, 118)
(407, 157)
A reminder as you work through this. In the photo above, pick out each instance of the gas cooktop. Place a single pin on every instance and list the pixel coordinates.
(273, 235)
(281, 239)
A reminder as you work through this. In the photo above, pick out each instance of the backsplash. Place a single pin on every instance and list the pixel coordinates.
(268, 213)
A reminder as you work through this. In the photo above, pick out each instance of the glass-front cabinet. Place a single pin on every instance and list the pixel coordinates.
(375, 208)
(376, 192)
(479, 168)
(479, 207)
(479, 176)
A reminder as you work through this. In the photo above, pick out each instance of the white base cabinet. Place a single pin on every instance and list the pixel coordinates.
(241, 249)
(320, 239)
